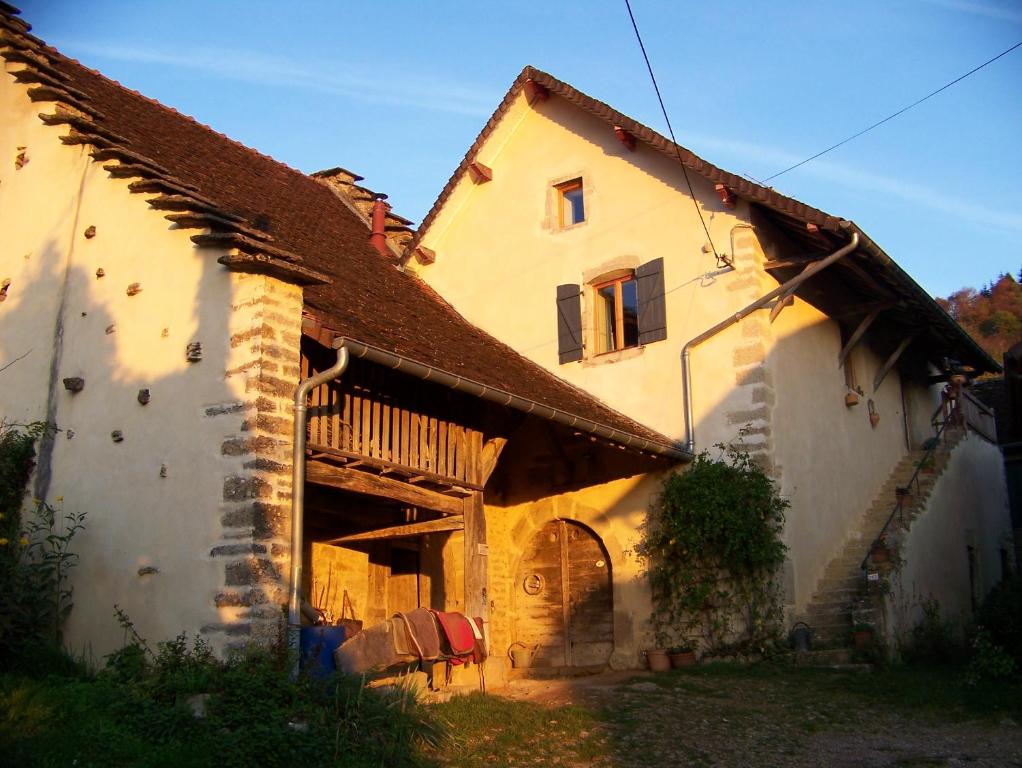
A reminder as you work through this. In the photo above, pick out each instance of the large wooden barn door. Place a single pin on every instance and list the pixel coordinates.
(563, 598)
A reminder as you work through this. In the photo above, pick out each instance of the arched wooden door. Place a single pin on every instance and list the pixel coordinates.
(563, 598)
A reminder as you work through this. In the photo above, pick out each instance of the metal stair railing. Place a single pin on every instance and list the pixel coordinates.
(952, 415)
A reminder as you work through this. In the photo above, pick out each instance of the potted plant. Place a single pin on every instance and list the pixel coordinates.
(682, 656)
(658, 659)
(879, 553)
(862, 635)
(905, 496)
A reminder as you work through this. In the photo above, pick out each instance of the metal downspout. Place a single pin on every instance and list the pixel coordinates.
(347, 348)
(294, 614)
(795, 282)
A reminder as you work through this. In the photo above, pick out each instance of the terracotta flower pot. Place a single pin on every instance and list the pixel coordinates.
(658, 661)
(863, 638)
(879, 554)
(682, 659)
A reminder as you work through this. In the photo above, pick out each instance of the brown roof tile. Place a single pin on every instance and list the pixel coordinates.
(366, 297)
(945, 336)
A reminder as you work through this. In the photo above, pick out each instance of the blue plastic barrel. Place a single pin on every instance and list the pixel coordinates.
(317, 647)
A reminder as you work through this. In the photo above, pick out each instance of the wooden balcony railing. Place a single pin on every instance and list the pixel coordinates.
(394, 426)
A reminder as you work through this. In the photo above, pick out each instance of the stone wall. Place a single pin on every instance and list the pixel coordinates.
(256, 505)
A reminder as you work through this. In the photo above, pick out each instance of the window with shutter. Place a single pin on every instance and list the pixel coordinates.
(569, 323)
(652, 303)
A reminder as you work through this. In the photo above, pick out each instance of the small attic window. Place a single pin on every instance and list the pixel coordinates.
(570, 204)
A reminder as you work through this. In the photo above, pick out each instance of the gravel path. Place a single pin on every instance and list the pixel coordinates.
(790, 721)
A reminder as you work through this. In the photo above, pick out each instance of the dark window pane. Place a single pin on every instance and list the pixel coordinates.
(574, 211)
(630, 311)
(606, 331)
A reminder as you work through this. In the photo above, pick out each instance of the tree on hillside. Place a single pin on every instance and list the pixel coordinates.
(992, 315)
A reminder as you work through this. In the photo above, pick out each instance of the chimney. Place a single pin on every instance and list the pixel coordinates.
(378, 238)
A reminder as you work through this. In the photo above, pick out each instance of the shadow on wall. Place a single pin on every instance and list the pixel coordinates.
(143, 340)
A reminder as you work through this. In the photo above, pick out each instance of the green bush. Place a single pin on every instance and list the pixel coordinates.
(989, 660)
(712, 547)
(933, 640)
(35, 557)
(1001, 616)
(182, 706)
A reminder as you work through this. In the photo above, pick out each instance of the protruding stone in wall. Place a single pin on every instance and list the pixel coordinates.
(74, 384)
(90, 232)
(134, 289)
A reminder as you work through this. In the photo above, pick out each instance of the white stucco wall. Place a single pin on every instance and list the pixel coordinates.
(500, 254)
(968, 507)
(120, 344)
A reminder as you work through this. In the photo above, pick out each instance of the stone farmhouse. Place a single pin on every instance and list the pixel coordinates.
(716, 309)
(269, 389)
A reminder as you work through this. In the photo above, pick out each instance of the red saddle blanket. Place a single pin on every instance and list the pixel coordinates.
(457, 631)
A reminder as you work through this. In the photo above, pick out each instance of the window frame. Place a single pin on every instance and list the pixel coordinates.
(619, 321)
(565, 210)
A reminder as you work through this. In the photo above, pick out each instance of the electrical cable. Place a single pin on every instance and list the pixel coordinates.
(901, 111)
(677, 149)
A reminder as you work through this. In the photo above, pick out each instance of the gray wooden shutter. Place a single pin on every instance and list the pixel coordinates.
(569, 323)
(652, 305)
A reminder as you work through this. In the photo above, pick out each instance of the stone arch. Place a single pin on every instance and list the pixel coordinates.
(597, 522)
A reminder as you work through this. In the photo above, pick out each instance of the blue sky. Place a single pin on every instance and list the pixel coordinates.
(397, 92)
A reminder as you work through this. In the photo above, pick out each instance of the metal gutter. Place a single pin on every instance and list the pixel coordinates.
(348, 348)
(501, 397)
(790, 285)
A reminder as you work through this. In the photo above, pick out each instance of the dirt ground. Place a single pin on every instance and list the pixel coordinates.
(801, 718)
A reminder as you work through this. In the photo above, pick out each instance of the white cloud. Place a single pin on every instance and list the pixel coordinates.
(999, 12)
(852, 178)
(336, 78)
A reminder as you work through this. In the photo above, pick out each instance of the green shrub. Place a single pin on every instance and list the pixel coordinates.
(989, 660)
(933, 640)
(1001, 616)
(712, 547)
(35, 557)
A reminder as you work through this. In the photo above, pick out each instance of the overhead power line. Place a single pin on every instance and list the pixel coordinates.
(901, 111)
(670, 130)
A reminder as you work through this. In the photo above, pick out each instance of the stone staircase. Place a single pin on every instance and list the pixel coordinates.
(841, 590)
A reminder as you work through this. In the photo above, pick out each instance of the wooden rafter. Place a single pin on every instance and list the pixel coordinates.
(787, 298)
(857, 335)
(450, 523)
(491, 453)
(893, 358)
(355, 481)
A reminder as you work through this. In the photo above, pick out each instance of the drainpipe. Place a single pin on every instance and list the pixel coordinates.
(378, 238)
(791, 285)
(347, 348)
(294, 607)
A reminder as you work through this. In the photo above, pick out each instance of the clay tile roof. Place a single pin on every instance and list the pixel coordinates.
(879, 278)
(351, 289)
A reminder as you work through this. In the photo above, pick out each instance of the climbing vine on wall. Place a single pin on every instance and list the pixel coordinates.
(712, 548)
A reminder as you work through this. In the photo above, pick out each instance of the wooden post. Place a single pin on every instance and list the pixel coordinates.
(477, 600)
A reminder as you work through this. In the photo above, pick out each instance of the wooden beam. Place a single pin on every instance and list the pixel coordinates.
(480, 173)
(859, 332)
(411, 474)
(857, 310)
(783, 301)
(491, 453)
(889, 363)
(321, 473)
(788, 297)
(477, 599)
(452, 523)
(782, 263)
